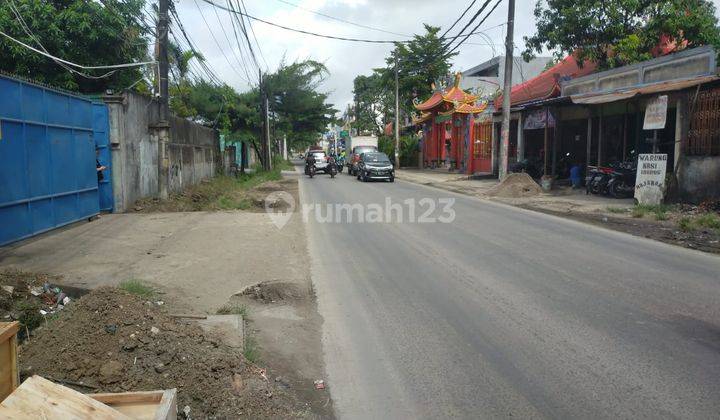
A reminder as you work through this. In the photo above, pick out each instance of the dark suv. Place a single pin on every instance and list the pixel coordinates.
(355, 157)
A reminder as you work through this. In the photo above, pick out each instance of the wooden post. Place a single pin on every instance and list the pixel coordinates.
(588, 145)
(520, 138)
(8, 358)
(625, 123)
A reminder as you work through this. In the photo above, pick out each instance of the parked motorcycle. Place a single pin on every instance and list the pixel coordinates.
(622, 180)
(596, 179)
(617, 179)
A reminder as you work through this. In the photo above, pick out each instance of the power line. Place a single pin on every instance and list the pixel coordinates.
(241, 48)
(69, 63)
(252, 30)
(242, 63)
(477, 26)
(475, 16)
(371, 41)
(457, 20)
(243, 30)
(215, 39)
(360, 25)
(211, 74)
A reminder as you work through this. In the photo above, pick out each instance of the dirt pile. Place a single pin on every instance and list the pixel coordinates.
(24, 295)
(112, 341)
(515, 185)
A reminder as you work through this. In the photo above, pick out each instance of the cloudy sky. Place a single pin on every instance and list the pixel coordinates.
(345, 60)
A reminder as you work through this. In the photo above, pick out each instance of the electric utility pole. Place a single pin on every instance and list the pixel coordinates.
(161, 129)
(162, 57)
(397, 115)
(505, 130)
(265, 136)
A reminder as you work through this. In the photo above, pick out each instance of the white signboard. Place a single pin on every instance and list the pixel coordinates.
(656, 113)
(650, 180)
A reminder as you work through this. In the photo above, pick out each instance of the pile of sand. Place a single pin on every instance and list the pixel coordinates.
(515, 185)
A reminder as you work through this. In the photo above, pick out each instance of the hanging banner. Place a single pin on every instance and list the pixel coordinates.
(536, 119)
(656, 113)
(650, 179)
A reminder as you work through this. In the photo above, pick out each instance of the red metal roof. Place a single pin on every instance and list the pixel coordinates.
(547, 84)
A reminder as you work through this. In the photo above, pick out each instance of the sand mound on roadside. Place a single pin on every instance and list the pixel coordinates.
(515, 185)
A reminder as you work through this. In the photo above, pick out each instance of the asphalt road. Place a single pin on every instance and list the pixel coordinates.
(506, 312)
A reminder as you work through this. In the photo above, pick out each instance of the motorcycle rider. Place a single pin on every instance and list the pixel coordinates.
(309, 161)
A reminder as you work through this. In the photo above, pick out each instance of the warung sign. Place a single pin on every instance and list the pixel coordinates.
(650, 180)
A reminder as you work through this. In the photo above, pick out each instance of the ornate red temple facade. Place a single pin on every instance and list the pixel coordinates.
(451, 135)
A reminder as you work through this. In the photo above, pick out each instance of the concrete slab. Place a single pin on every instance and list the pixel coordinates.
(199, 258)
(228, 328)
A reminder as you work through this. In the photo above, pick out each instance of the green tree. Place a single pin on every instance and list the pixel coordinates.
(619, 32)
(299, 110)
(421, 61)
(80, 31)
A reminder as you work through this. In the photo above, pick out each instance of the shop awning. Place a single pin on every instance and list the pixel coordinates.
(673, 85)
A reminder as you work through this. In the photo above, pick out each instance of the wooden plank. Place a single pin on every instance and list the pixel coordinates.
(39, 398)
(151, 405)
(8, 358)
(128, 397)
(168, 406)
(8, 329)
(6, 379)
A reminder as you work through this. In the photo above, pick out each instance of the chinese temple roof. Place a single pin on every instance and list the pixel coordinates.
(452, 95)
(435, 100)
(466, 108)
(455, 94)
(424, 116)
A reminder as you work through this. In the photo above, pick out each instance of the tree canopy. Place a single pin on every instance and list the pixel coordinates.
(421, 61)
(80, 31)
(619, 32)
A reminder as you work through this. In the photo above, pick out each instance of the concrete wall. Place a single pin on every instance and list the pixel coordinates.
(686, 64)
(698, 178)
(193, 150)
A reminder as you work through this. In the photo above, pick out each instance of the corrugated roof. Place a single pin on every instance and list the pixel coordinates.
(547, 84)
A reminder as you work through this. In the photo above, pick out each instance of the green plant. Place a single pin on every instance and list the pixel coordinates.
(638, 212)
(233, 309)
(617, 210)
(685, 224)
(137, 287)
(708, 220)
(661, 215)
(30, 316)
(251, 350)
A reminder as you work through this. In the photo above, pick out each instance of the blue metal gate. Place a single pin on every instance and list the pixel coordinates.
(48, 176)
(102, 145)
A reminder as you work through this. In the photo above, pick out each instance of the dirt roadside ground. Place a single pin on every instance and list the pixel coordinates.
(199, 261)
(660, 223)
